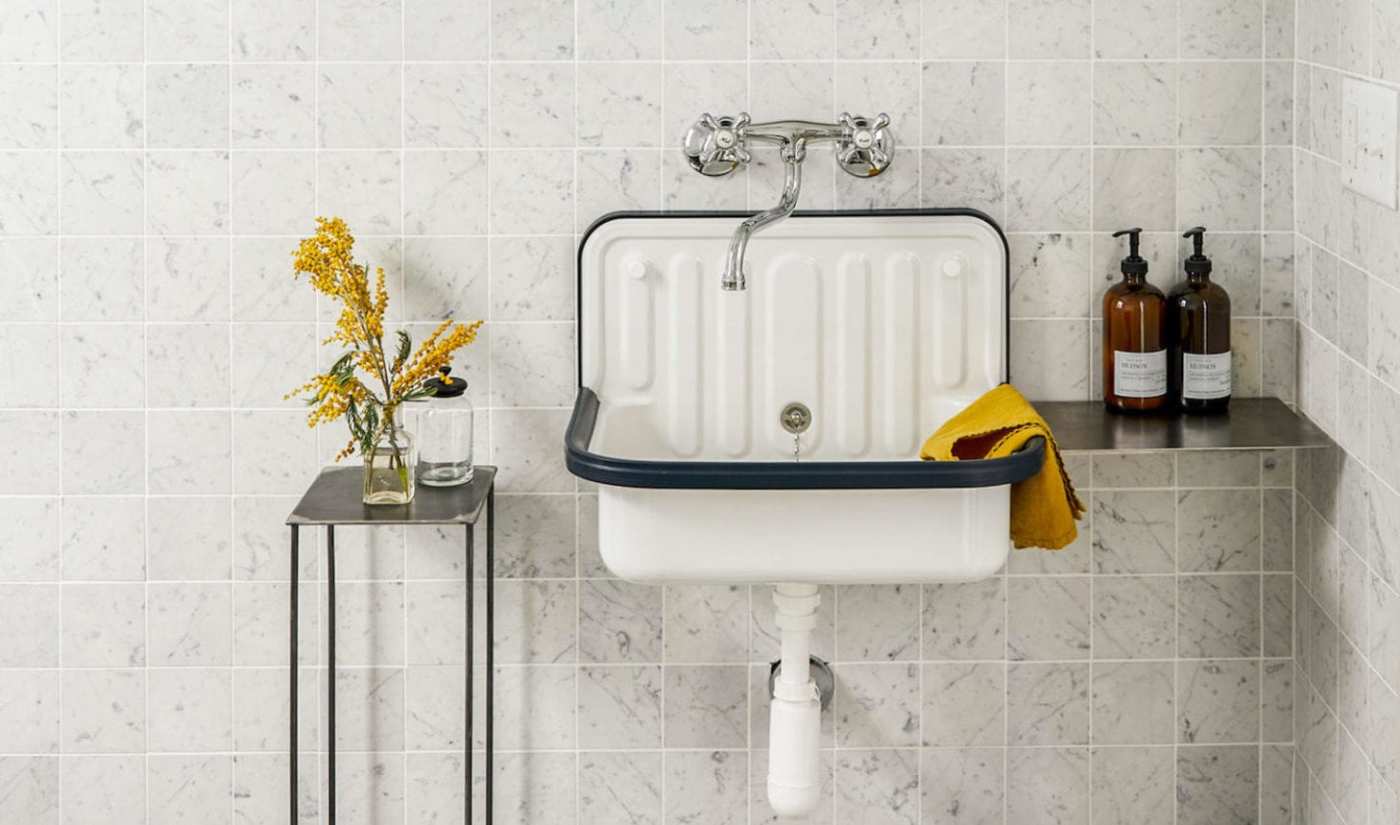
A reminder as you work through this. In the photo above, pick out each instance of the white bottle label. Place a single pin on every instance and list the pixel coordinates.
(1140, 374)
(1205, 376)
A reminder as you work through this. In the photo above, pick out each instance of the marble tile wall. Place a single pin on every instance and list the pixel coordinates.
(1347, 705)
(159, 159)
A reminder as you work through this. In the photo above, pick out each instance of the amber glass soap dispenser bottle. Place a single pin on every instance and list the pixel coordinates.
(1198, 329)
(1134, 348)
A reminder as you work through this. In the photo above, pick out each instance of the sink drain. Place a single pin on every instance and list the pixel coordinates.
(795, 418)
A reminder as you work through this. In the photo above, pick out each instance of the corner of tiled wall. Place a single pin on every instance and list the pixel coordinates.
(1347, 708)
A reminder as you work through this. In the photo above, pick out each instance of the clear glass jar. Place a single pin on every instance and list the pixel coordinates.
(389, 466)
(445, 433)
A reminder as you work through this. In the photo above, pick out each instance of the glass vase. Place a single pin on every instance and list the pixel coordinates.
(389, 467)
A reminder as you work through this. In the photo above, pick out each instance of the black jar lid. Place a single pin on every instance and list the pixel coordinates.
(445, 386)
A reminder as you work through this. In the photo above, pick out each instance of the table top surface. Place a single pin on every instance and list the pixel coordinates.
(1250, 423)
(335, 498)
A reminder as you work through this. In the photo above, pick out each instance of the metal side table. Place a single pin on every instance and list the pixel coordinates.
(334, 499)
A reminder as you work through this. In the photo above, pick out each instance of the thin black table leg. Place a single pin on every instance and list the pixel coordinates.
(330, 673)
(490, 648)
(470, 631)
(292, 751)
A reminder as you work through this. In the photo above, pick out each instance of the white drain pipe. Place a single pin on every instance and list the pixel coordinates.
(794, 728)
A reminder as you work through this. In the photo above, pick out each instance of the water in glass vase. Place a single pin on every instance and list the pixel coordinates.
(389, 468)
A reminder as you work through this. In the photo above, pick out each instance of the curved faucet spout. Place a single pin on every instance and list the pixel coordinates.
(792, 153)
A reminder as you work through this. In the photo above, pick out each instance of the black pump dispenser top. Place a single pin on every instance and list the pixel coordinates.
(444, 385)
(1198, 263)
(1134, 264)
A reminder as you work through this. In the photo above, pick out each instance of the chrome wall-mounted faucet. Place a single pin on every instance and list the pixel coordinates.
(716, 146)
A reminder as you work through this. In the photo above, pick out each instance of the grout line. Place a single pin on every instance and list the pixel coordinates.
(1093, 81)
(403, 535)
(58, 375)
(1176, 612)
(145, 398)
(802, 61)
(319, 671)
(578, 597)
(232, 551)
(629, 665)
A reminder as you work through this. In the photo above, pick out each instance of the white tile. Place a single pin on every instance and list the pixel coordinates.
(273, 106)
(963, 103)
(619, 29)
(29, 30)
(536, 198)
(187, 106)
(616, 180)
(532, 30)
(284, 458)
(188, 538)
(29, 710)
(103, 193)
(31, 612)
(445, 104)
(104, 788)
(443, 30)
(103, 366)
(187, 30)
(1135, 29)
(1135, 103)
(187, 193)
(104, 711)
(1219, 103)
(363, 188)
(619, 104)
(443, 193)
(32, 266)
(190, 710)
(792, 30)
(273, 192)
(104, 625)
(32, 452)
(705, 29)
(274, 29)
(1054, 29)
(1220, 186)
(533, 105)
(190, 624)
(359, 105)
(28, 361)
(1220, 28)
(104, 538)
(263, 287)
(1047, 103)
(102, 30)
(31, 101)
(360, 29)
(29, 539)
(187, 279)
(102, 279)
(189, 789)
(29, 196)
(963, 29)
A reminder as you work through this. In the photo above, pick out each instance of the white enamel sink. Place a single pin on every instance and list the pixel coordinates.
(883, 325)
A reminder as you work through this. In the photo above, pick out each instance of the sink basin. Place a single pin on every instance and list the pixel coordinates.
(772, 434)
(881, 325)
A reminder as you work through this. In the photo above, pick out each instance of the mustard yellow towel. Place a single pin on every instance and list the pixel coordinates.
(1044, 507)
